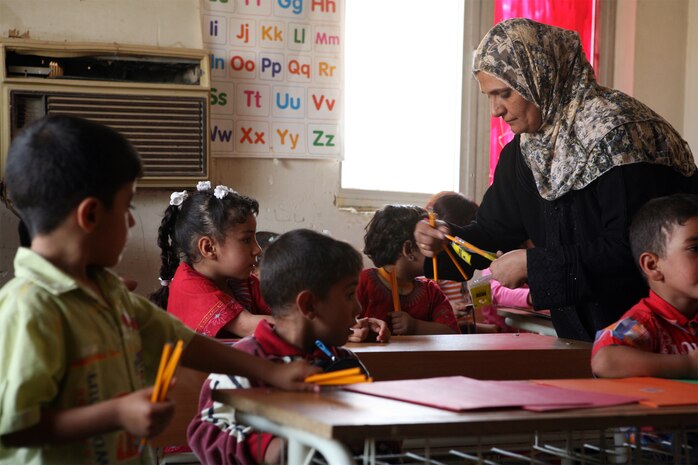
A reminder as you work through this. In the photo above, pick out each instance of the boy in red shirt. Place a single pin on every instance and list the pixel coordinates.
(309, 280)
(658, 336)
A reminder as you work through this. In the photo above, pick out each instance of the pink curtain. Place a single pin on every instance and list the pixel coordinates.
(577, 15)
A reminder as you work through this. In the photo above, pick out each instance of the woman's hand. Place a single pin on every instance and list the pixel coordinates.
(511, 269)
(430, 240)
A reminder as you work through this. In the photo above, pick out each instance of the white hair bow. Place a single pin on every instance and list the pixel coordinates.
(178, 198)
(221, 191)
(203, 186)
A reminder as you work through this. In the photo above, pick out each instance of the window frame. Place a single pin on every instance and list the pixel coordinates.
(473, 151)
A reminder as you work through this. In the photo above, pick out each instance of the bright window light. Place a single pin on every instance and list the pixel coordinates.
(403, 76)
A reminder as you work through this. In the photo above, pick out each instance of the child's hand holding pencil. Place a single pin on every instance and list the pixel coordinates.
(142, 418)
(169, 361)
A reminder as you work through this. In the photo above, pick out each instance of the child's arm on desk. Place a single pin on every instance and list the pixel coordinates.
(623, 361)
(209, 355)
(367, 326)
(245, 323)
(133, 412)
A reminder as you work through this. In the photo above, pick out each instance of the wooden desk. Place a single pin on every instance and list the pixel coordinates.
(529, 320)
(326, 421)
(503, 356)
(482, 356)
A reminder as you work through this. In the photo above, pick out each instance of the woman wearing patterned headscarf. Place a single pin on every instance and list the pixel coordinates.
(583, 160)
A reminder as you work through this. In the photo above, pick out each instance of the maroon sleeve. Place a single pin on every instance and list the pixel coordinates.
(214, 434)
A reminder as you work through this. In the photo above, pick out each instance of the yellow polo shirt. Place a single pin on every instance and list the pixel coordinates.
(62, 346)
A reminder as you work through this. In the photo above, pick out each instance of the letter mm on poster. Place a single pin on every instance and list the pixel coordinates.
(276, 77)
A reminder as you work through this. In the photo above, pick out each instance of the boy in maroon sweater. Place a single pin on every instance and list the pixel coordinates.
(309, 280)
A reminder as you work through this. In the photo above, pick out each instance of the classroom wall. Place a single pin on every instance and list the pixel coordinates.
(690, 115)
(300, 193)
(660, 54)
(656, 59)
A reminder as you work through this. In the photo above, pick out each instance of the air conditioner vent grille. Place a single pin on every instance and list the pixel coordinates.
(167, 131)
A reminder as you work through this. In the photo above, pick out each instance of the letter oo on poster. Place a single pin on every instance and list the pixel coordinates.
(238, 63)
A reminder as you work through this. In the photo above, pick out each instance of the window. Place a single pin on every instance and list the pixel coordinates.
(577, 15)
(403, 81)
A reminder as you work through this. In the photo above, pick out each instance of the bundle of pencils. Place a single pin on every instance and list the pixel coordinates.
(168, 365)
(463, 245)
(339, 377)
(471, 248)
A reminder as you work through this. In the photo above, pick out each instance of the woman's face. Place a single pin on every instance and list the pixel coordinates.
(520, 114)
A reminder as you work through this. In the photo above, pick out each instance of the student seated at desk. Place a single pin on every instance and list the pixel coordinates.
(659, 335)
(212, 290)
(78, 349)
(309, 280)
(418, 305)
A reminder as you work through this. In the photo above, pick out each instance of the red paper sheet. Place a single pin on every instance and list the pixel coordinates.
(458, 393)
(654, 392)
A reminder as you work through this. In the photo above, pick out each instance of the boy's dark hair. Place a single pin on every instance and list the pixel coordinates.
(305, 260)
(388, 230)
(56, 162)
(201, 214)
(654, 221)
(455, 208)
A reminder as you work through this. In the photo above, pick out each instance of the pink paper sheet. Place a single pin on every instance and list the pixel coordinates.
(458, 393)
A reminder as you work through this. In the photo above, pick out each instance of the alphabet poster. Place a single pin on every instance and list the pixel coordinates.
(276, 77)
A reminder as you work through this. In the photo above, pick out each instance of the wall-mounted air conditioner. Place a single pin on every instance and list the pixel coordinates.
(157, 97)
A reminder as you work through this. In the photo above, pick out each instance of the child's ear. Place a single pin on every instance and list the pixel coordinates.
(88, 213)
(409, 250)
(305, 301)
(206, 247)
(649, 264)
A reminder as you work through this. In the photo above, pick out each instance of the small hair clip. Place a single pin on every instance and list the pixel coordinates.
(178, 198)
(221, 191)
(203, 186)
(164, 282)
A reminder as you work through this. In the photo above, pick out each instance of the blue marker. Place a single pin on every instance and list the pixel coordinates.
(324, 349)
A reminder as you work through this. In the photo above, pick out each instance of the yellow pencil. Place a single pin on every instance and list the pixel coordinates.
(346, 380)
(158, 388)
(170, 370)
(470, 246)
(455, 262)
(394, 290)
(332, 374)
(166, 350)
(432, 222)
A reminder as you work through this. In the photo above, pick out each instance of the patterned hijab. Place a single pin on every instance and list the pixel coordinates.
(576, 143)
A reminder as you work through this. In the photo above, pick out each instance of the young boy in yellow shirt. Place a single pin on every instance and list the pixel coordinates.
(658, 336)
(78, 349)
